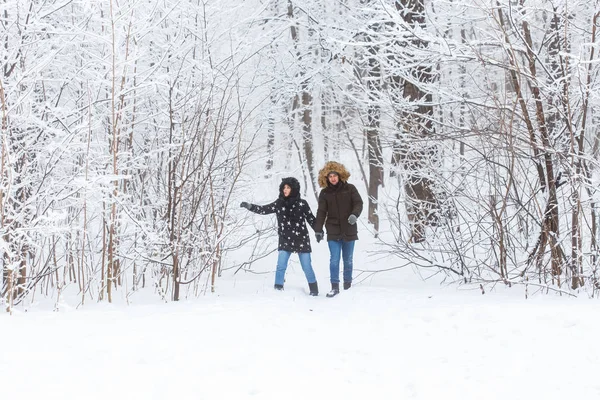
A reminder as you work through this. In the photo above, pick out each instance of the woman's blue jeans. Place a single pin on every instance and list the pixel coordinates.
(346, 249)
(282, 263)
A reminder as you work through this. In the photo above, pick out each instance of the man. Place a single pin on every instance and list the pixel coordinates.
(339, 207)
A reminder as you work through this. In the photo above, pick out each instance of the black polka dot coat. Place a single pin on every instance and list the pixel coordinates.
(292, 214)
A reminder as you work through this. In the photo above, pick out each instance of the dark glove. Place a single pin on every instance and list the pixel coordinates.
(319, 236)
(243, 204)
(352, 219)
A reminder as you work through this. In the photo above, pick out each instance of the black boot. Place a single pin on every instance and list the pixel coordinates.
(314, 289)
(335, 290)
(278, 287)
(347, 285)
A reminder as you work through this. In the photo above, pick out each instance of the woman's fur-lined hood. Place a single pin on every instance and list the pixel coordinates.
(293, 184)
(333, 166)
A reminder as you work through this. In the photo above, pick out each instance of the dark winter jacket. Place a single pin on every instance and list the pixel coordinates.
(336, 203)
(292, 212)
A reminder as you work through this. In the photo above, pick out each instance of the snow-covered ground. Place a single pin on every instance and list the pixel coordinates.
(392, 336)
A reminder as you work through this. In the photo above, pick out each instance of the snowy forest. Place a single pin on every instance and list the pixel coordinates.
(132, 129)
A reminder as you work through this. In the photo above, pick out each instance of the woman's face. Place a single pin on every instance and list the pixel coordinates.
(287, 190)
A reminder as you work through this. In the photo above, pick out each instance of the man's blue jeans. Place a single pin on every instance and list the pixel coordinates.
(282, 263)
(346, 249)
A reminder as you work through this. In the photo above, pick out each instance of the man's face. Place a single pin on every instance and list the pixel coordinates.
(333, 178)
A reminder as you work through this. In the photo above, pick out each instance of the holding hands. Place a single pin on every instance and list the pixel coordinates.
(319, 236)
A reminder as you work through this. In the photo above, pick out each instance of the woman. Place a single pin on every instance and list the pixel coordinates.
(292, 212)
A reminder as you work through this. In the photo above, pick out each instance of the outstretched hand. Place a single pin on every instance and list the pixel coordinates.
(352, 219)
(319, 236)
(243, 204)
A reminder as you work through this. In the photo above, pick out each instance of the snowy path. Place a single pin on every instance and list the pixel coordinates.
(370, 342)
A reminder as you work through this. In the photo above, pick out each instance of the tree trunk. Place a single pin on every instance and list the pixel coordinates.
(551, 228)
(307, 138)
(412, 152)
(375, 164)
(373, 80)
(270, 137)
(306, 100)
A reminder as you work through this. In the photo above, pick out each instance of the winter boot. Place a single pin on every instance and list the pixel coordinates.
(278, 287)
(347, 285)
(314, 289)
(335, 290)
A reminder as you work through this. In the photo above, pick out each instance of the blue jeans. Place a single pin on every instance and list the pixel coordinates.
(346, 249)
(282, 263)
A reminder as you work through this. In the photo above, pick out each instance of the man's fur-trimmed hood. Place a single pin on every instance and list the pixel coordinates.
(333, 166)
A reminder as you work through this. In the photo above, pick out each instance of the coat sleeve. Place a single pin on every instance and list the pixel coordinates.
(357, 203)
(308, 215)
(266, 209)
(321, 213)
